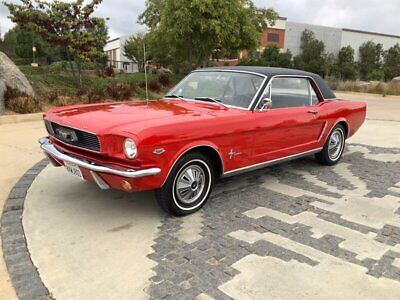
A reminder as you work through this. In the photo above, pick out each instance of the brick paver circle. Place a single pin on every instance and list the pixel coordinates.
(297, 213)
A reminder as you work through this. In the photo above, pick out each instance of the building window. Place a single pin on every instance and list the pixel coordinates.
(273, 37)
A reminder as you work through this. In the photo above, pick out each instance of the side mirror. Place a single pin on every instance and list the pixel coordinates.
(266, 104)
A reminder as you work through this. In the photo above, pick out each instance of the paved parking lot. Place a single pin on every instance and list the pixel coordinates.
(296, 230)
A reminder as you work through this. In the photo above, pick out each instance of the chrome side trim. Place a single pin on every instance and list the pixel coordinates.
(100, 182)
(229, 70)
(49, 148)
(270, 163)
(323, 131)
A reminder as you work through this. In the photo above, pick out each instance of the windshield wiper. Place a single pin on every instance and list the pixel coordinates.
(175, 96)
(210, 99)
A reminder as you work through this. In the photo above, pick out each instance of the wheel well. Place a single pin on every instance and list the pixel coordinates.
(213, 155)
(345, 126)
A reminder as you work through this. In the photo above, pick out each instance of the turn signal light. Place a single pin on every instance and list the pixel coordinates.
(126, 185)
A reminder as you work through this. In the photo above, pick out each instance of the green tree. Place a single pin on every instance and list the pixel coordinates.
(273, 57)
(203, 27)
(152, 15)
(313, 57)
(134, 50)
(391, 64)
(19, 43)
(346, 67)
(67, 24)
(370, 58)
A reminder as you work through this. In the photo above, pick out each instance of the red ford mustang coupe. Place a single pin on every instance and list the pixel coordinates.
(216, 122)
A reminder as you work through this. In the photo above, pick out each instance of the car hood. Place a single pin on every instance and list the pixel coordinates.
(106, 118)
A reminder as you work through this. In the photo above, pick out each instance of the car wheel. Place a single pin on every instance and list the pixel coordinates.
(333, 148)
(188, 186)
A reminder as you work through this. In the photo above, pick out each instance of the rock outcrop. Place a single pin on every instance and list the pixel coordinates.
(12, 77)
(396, 79)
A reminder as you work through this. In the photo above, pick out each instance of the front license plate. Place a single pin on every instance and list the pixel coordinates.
(73, 169)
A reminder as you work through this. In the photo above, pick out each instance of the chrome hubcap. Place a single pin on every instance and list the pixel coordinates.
(190, 184)
(335, 144)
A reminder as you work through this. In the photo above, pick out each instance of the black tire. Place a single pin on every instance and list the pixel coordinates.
(169, 199)
(325, 157)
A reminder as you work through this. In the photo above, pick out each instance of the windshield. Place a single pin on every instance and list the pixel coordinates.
(230, 88)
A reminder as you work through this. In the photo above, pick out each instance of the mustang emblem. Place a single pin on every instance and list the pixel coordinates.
(67, 134)
(232, 154)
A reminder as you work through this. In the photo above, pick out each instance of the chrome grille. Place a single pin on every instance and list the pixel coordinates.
(83, 139)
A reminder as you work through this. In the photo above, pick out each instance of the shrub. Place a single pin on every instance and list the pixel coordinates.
(155, 86)
(393, 88)
(80, 92)
(165, 80)
(50, 95)
(24, 105)
(13, 93)
(109, 71)
(95, 96)
(90, 65)
(65, 101)
(211, 64)
(59, 66)
(121, 91)
(376, 75)
(245, 61)
(332, 83)
(380, 88)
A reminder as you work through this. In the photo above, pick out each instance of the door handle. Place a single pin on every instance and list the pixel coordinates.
(313, 111)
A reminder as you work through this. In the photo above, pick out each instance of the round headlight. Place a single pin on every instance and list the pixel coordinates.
(130, 148)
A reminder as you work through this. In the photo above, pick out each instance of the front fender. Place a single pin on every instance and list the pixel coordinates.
(187, 147)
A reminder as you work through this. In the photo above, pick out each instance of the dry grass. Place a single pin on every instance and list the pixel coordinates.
(66, 101)
(382, 88)
(24, 105)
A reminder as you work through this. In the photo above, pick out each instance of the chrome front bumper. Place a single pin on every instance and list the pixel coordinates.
(49, 148)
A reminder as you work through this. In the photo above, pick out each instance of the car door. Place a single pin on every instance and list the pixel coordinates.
(293, 124)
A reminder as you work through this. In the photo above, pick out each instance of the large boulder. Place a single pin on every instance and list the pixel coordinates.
(3, 89)
(12, 77)
(396, 79)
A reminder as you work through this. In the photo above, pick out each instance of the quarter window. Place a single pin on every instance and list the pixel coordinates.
(314, 97)
(292, 92)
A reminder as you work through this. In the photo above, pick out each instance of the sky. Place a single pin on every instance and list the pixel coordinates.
(370, 15)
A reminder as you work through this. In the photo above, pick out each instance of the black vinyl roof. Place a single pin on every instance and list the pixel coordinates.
(270, 72)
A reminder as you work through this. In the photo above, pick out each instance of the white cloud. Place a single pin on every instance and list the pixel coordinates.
(371, 15)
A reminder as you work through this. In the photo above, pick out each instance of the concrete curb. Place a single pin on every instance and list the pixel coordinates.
(23, 273)
(10, 119)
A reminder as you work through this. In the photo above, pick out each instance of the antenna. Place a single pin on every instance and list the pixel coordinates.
(145, 72)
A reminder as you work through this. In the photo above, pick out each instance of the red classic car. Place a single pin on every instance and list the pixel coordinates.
(216, 122)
